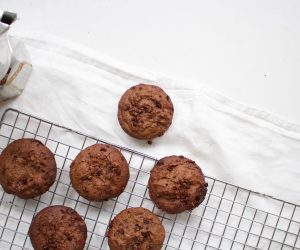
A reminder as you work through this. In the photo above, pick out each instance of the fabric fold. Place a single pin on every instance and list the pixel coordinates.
(79, 88)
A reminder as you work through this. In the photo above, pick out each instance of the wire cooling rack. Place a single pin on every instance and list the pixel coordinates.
(230, 217)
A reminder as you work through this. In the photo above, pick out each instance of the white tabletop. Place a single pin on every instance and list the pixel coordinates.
(246, 50)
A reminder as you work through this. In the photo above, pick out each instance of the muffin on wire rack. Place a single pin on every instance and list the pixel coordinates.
(58, 227)
(136, 228)
(177, 184)
(27, 168)
(99, 172)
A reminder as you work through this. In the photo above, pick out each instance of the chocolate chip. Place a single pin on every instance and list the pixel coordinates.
(157, 104)
(24, 181)
(145, 234)
(117, 171)
(170, 168)
(149, 142)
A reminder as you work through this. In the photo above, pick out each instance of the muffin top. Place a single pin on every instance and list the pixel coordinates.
(145, 111)
(177, 184)
(99, 172)
(27, 168)
(58, 228)
(136, 228)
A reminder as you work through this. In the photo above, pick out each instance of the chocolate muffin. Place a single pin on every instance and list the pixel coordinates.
(27, 168)
(99, 172)
(59, 228)
(136, 228)
(177, 184)
(145, 111)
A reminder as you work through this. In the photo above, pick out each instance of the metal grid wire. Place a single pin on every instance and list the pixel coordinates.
(230, 217)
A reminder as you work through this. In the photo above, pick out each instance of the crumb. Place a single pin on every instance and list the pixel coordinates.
(149, 142)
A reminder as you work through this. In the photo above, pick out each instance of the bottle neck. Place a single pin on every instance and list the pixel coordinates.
(3, 29)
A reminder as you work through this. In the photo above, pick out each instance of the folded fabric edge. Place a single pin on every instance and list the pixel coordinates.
(94, 58)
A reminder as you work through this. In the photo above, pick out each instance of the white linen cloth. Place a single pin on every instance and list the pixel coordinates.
(79, 88)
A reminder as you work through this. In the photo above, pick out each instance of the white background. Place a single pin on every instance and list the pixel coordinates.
(247, 50)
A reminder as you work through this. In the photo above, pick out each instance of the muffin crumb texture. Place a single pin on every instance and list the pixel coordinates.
(136, 229)
(145, 111)
(177, 184)
(58, 228)
(27, 168)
